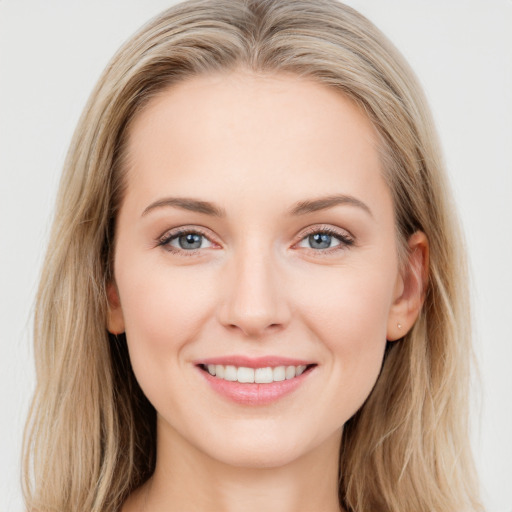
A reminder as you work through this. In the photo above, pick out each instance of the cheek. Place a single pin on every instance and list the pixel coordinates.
(352, 307)
(164, 309)
(349, 319)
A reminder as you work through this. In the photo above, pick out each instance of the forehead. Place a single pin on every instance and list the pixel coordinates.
(252, 132)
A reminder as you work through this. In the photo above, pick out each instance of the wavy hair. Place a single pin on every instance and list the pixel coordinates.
(90, 436)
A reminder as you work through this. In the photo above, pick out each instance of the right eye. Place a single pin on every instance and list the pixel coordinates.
(183, 241)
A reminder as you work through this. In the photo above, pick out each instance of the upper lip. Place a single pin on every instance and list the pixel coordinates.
(254, 362)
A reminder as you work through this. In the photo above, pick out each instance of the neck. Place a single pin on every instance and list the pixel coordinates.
(187, 479)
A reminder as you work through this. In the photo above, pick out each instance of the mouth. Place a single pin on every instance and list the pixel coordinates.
(257, 381)
(262, 375)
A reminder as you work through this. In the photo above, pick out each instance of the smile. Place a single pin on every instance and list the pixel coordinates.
(255, 381)
(243, 374)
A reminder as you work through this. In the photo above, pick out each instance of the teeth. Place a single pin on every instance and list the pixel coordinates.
(300, 370)
(219, 371)
(258, 375)
(263, 375)
(245, 374)
(279, 373)
(230, 373)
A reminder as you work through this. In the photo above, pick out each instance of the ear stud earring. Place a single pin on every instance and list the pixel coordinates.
(399, 326)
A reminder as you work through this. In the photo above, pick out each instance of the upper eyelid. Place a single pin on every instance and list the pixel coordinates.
(175, 232)
(342, 232)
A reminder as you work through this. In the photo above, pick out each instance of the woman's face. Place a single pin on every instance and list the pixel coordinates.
(256, 236)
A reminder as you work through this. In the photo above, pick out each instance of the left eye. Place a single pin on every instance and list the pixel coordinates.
(320, 240)
(189, 241)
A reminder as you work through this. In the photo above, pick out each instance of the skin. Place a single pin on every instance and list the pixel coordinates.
(256, 146)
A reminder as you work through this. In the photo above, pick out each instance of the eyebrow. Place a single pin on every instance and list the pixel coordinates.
(300, 208)
(322, 203)
(186, 203)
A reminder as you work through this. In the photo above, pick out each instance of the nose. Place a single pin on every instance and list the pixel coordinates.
(254, 296)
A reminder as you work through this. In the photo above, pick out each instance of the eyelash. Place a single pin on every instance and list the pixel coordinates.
(165, 240)
(345, 240)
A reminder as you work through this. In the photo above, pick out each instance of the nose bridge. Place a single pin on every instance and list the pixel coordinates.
(254, 301)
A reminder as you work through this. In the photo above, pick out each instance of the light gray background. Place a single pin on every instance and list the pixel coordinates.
(51, 54)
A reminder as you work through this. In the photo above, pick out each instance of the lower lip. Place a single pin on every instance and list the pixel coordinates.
(255, 394)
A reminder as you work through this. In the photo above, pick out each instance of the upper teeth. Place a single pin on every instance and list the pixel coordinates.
(257, 375)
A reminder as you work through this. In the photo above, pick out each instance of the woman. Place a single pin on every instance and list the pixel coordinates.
(255, 290)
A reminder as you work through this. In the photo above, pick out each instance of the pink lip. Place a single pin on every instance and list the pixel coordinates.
(254, 362)
(254, 394)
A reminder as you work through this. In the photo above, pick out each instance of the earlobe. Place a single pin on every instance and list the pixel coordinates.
(410, 289)
(115, 319)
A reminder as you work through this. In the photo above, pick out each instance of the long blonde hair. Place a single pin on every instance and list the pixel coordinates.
(90, 437)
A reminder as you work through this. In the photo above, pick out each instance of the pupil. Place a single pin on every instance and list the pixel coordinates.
(190, 241)
(320, 241)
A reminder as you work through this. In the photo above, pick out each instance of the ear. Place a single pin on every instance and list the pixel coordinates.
(115, 319)
(410, 288)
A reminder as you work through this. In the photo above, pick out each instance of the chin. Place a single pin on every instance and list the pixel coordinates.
(257, 457)
(262, 450)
